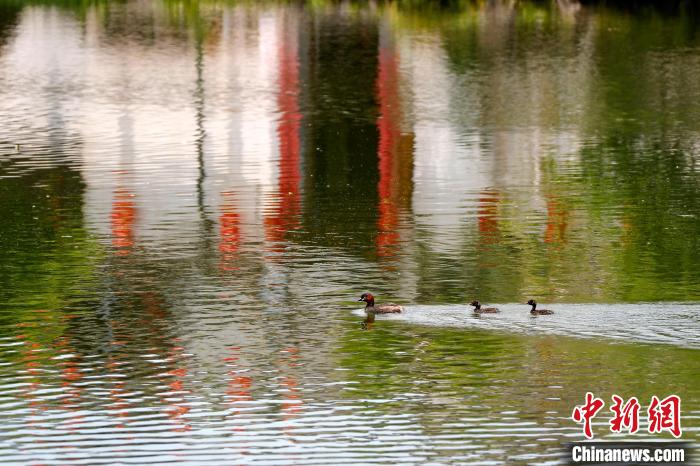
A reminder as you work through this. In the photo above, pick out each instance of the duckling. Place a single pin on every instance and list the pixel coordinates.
(479, 310)
(381, 308)
(535, 311)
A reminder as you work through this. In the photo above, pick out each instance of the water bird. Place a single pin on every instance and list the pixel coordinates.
(535, 311)
(380, 308)
(480, 310)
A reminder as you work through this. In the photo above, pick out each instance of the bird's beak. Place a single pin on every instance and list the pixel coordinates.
(360, 299)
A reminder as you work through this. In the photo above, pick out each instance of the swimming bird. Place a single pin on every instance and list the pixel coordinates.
(535, 311)
(380, 308)
(479, 310)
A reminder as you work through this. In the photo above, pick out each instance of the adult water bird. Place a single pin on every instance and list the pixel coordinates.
(379, 308)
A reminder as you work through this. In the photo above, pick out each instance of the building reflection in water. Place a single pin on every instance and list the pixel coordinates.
(487, 215)
(238, 392)
(284, 216)
(173, 381)
(293, 403)
(557, 221)
(229, 232)
(123, 218)
(388, 125)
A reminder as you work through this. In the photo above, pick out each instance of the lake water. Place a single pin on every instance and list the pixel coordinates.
(193, 196)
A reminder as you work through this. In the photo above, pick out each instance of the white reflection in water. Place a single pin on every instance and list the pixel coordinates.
(446, 167)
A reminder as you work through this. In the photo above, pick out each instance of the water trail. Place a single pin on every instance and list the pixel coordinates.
(666, 323)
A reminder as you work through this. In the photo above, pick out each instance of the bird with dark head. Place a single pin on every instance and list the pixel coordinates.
(379, 308)
(535, 311)
(481, 310)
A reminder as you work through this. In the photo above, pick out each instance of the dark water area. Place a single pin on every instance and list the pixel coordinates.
(193, 195)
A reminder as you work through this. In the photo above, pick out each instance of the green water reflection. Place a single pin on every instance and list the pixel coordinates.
(437, 371)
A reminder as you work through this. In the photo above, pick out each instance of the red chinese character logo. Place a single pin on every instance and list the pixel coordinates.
(625, 416)
(665, 415)
(587, 412)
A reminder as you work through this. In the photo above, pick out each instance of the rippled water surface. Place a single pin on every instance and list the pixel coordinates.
(193, 195)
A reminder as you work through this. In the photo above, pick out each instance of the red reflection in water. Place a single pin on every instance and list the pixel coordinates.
(119, 406)
(487, 215)
(293, 404)
(557, 222)
(30, 357)
(147, 311)
(151, 312)
(389, 133)
(285, 215)
(229, 232)
(36, 358)
(123, 219)
(239, 384)
(154, 305)
(71, 375)
(174, 398)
